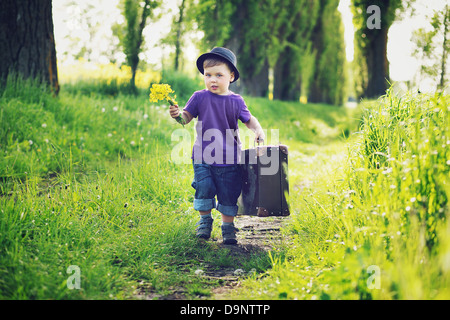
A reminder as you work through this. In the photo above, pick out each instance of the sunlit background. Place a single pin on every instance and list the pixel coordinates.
(71, 20)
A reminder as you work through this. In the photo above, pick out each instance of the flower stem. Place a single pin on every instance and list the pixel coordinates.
(179, 119)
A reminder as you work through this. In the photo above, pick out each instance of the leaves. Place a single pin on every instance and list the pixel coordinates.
(130, 35)
(432, 46)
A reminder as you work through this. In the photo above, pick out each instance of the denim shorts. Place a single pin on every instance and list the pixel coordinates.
(223, 182)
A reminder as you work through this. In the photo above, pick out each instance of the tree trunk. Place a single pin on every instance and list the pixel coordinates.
(441, 85)
(178, 40)
(258, 84)
(234, 44)
(137, 49)
(255, 85)
(27, 41)
(377, 64)
(253, 67)
(286, 76)
(315, 91)
(328, 75)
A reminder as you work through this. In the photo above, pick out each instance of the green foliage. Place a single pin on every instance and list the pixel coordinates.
(371, 222)
(432, 53)
(293, 47)
(253, 35)
(214, 18)
(44, 135)
(329, 82)
(370, 64)
(243, 27)
(413, 157)
(182, 23)
(130, 34)
(120, 211)
(296, 122)
(112, 87)
(278, 34)
(388, 10)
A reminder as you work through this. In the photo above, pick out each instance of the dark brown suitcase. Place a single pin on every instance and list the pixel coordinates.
(265, 185)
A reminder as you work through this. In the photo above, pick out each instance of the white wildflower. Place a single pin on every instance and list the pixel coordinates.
(238, 272)
(198, 272)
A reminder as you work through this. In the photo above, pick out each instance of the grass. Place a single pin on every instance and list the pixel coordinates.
(87, 180)
(373, 221)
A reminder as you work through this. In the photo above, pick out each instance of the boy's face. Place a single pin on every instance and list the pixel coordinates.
(218, 79)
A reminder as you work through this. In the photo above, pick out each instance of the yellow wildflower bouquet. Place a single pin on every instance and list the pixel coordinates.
(160, 92)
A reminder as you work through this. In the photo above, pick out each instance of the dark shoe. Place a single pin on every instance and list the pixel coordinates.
(229, 234)
(204, 228)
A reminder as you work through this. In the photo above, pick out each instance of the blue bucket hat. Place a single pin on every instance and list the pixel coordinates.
(221, 53)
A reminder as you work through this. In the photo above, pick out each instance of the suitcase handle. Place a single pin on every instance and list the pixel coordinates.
(259, 141)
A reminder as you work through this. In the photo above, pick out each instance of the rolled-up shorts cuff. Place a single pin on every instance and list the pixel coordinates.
(227, 210)
(204, 204)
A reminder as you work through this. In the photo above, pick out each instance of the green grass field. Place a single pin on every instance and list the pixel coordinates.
(87, 180)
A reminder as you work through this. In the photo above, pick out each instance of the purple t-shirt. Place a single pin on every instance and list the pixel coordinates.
(217, 128)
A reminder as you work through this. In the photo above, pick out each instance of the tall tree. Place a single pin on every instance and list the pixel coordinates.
(214, 19)
(372, 20)
(433, 52)
(179, 31)
(27, 40)
(329, 80)
(250, 39)
(182, 23)
(294, 21)
(136, 14)
(241, 26)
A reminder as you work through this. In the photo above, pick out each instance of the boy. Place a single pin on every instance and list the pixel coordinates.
(217, 149)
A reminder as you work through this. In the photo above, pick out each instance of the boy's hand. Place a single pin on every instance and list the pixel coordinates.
(174, 111)
(259, 136)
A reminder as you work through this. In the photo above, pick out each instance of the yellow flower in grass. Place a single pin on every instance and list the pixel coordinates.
(160, 92)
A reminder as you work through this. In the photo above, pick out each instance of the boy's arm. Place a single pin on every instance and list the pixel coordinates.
(253, 124)
(175, 112)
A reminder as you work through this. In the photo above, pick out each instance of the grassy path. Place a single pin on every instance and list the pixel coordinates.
(87, 183)
(309, 167)
(93, 207)
(260, 239)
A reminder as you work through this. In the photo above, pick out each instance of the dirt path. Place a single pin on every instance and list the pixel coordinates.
(256, 235)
